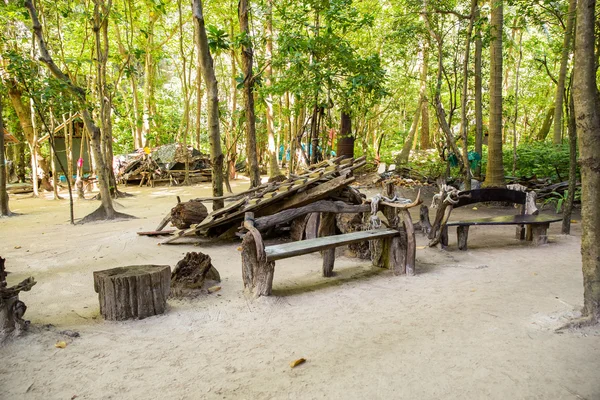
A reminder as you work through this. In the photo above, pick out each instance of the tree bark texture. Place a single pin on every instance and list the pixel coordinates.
(4, 210)
(495, 168)
(478, 93)
(183, 215)
(247, 56)
(345, 142)
(191, 272)
(208, 73)
(133, 292)
(272, 149)
(568, 210)
(562, 75)
(587, 117)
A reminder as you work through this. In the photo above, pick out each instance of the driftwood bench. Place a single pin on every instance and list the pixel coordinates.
(392, 247)
(530, 225)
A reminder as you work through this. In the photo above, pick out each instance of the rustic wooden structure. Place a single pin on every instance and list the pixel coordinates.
(326, 180)
(530, 226)
(11, 308)
(133, 292)
(396, 250)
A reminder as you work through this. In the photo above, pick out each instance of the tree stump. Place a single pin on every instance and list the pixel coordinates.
(137, 291)
(191, 273)
(183, 215)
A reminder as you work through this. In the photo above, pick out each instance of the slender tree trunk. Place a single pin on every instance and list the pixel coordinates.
(232, 140)
(247, 55)
(425, 132)
(149, 74)
(514, 168)
(273, 165)
(545, 129)
(212, 90)
(495, 168)
(463, 98)
(186, 105)
(560, 87)
(94, 131)
(4, 210)
(587, 117)
(478, 93)
(568, 210)
(345, 143)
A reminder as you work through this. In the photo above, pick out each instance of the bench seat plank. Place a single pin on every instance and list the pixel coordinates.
(292, 249)
(508, 220)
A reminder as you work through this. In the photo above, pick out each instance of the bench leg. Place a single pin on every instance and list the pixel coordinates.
(257, 272)
(411, 244)
(327, 228)
(539, 233)
(462, 233)
(520, 233)
(444, 237)
(528, 233)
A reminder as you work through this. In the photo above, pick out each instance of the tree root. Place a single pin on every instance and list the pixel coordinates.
(100, 215)
(578, 323)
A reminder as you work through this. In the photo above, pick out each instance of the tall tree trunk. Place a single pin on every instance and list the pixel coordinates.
(345, 143)
(495, 169)
(560, 87)
(425, 132)
(212, 91)
(4, 210)
(568, 210)
(478, 93)
(108, 211)
(516, 115)
(545, 129)
(587, 117)
(186, 99)
(232, 139)
(273, 165)
(247, 55)
(463, 98)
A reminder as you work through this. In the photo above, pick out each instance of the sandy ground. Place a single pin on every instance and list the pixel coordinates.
(470, 325)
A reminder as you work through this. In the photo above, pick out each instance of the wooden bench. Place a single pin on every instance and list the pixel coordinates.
(392, 247)
(530, 226)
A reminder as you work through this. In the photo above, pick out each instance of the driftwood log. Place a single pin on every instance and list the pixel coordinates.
(11, 308)
(191, 272)
(133, 292)
(257, 272)
(185, 214)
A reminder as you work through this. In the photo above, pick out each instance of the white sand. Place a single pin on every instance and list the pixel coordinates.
(471, 325)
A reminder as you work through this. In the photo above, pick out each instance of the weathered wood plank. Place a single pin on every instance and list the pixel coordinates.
(508, 220)
(287, 250)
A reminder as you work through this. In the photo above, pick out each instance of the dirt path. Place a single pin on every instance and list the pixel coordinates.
(471, 325)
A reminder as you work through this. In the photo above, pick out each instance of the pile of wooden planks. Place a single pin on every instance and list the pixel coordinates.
(329, 179)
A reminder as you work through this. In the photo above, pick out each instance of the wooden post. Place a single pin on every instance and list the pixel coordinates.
(257, 272)
(312, 226)
(327, 228)
(539, 233)
(462, 233)
(411, 245)
(133, 292)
